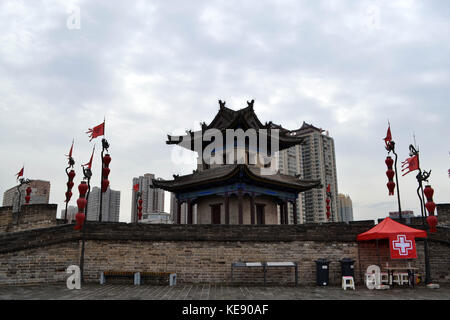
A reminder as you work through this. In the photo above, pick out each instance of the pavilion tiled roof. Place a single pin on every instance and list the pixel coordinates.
(245, 119)
(226, 172)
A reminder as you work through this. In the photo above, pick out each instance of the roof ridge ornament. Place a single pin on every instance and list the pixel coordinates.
(250, 104)
(222, 104)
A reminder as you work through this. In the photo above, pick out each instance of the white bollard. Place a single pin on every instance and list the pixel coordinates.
(173, 279)
(137, 279)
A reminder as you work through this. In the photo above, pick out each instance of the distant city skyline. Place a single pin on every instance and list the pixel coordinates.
(153, 199)
(161, 68)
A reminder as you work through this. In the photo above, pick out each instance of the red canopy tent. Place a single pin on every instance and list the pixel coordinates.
(401, 237)
(388, 227)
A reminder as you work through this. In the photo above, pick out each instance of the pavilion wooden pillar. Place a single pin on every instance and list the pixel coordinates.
(294, 210)
(281, 213)
(240, 207)
(189, 217)
(252, 208)
(178, 211)
(285, 212)
(227, 208)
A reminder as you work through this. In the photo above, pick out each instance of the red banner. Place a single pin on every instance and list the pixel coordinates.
(20, 173)
(97, 131)
(388, 138)
(402, 247)
(410, 164)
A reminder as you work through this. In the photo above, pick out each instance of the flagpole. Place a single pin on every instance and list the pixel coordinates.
(390, 146)
(71, 164)
(101, 182)
(87, 175)
(422, 176)
(94, 133)
(398, 189)
(105, 146)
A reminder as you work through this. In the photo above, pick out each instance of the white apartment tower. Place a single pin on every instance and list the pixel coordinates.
(314, 159)
(110, 205)
(153, 198)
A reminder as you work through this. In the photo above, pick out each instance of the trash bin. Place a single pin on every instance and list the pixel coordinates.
(322, 272)
(347, 267)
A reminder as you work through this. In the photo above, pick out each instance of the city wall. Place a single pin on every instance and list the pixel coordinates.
(201, 253)
(33, 216)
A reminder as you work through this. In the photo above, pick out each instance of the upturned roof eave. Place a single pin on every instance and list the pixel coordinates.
(300, 186)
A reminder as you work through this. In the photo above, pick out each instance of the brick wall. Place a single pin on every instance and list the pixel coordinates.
(201, 253)
(32, 216)
(443, 213)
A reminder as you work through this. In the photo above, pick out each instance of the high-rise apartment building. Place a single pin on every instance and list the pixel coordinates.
(153, 198)
(110, 205)
(314, 159)
(173, 206)
(345, 208)
(40, 193)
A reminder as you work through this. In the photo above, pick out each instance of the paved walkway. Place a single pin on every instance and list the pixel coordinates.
(215, 292)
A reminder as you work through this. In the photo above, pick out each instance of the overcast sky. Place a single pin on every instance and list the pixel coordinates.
(158, 67)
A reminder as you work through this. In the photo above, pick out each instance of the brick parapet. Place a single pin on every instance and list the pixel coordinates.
(201, 253)
(32, 216)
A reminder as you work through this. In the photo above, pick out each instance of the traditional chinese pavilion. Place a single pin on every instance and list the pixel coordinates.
(237, 192)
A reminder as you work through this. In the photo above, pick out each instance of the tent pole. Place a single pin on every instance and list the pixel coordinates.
(359, 263)
(378, 254)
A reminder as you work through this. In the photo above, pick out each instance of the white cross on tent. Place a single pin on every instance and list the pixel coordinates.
(402, 245)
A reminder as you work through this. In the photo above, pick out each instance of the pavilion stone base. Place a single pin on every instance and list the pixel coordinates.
(202, 253)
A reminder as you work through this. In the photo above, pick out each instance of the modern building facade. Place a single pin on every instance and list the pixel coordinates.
(71, 213)
(406, 215)
(110, 205)
(156, 218)
(238, 187)
(153, 198)
(40, 193)
(173, 205)
(345, 208)
(314, 159)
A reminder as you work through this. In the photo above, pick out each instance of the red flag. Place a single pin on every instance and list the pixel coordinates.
(70, 152)
(410, 164)
(136, 187)
(97, 131)
(329, 188)
(402, 246)
(89, 164)
(20, 173)
(388, 135)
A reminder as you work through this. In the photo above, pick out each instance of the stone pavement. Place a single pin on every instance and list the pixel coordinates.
(215, 292)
